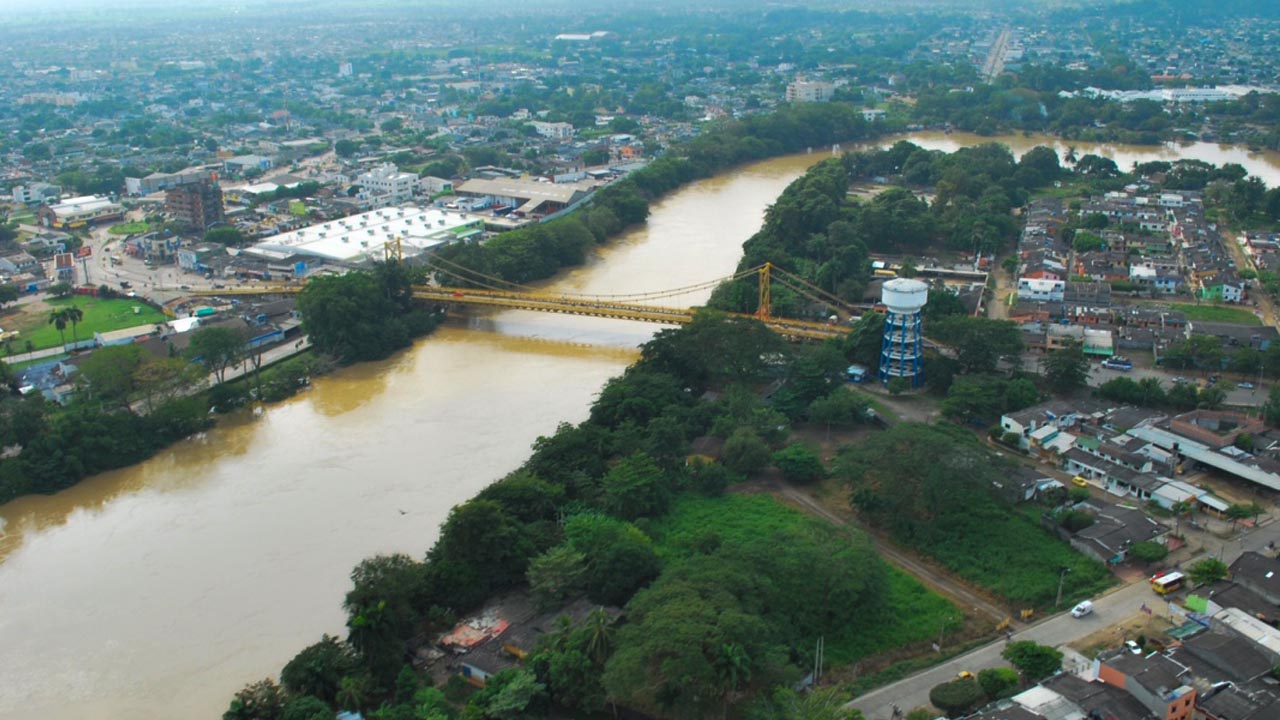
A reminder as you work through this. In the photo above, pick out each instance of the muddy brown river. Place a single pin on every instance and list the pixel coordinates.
(158, 590)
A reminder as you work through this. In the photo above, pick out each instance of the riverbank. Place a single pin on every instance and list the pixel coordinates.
(215, 561)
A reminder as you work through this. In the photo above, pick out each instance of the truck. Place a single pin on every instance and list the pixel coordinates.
(1118, 363)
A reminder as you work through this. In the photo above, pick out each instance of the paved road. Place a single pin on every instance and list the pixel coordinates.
(1114, 607)
(994, 65)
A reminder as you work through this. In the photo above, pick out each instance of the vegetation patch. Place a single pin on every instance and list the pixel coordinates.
(936, 490)
(98, 316)
(1217, 313)
(130, 228)
(905, 612)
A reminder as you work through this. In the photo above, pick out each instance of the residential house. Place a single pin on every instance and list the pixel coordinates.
(1022, 423)
(1114, 532)
(1156, 681)
(1258, 573)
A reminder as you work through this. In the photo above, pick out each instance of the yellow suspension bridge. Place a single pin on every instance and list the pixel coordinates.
(487, 291)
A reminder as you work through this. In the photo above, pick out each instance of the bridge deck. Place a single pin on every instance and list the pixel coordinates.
(567, 305)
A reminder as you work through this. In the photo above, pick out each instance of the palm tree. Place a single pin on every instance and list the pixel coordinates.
(350, 694)
(74, 315)
(58, 319)
(600, 635)
(734, 668)
(1179, 509)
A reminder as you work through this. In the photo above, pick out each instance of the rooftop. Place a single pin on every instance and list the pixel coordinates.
(355, 238)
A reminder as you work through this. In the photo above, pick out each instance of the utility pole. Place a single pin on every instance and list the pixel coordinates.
(1062, 577)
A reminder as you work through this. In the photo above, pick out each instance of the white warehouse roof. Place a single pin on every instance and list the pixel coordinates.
(358, 237)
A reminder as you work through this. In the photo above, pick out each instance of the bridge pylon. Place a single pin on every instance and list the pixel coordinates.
(765, 304)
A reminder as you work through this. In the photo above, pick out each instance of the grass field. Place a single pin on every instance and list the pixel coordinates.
(1217, 313)
(99, 316)
(131, 228)
(908, 612)
(1010, 554)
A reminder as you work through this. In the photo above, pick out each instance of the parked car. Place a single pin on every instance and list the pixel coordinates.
(1079, 481)
(1082, 609)
(1133, 647)
(1245, 385)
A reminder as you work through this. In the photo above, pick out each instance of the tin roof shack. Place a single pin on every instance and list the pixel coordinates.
(1229, 674)
(1114, 532)
(1258, 573)
(499, 638)
(1159, 683)
(1098, 699)
(1225, 594)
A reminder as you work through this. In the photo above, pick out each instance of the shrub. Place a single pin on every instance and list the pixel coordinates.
(957, 697)
(998, 682)
(1075, 520)
(799, 464)
(1149, 551)
(1034, 661)
(744, 451)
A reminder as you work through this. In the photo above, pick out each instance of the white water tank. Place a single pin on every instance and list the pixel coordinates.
(904, 295)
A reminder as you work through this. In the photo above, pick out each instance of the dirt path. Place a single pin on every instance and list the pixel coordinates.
(932, 576)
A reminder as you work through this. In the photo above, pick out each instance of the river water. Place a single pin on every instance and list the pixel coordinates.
(158, 590)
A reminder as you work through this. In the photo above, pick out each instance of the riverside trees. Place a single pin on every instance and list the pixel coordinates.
(364, 315)
(578, 521)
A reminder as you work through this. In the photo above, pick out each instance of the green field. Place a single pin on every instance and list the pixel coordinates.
(1217, 313)
(908, 612)
(131, 228)
(99, 316)
(1011, 555)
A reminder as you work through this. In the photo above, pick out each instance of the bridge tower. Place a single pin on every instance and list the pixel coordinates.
(901, 351)
(765, 304)
(393, 249)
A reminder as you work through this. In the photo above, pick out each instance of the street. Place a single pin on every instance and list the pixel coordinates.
(1061, 629)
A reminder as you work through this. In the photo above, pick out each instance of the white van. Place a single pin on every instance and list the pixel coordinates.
(1082, 609)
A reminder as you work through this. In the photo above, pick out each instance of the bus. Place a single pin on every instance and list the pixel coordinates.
(1166, 583)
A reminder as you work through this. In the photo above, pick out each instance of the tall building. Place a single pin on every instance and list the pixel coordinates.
(385, 185)
(902, 351)
(803, 91)
(197, 205)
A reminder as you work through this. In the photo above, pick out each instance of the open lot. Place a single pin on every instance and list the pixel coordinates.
(907, 613)
(1207, 312)
(32, 319)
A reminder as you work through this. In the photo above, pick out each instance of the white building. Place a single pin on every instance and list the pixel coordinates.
(553, 130)
(432, 185)
(386, 185)
(1041, 290)
(805, 91)
(79, 211)
(362, 237)
(36, 193)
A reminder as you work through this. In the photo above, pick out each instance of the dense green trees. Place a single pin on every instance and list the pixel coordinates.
(980, 344)
(1034, 661)
(934, 488)
(1067, 369)
(727, 613)
(217, 348)
(985, 398)
(364, 315)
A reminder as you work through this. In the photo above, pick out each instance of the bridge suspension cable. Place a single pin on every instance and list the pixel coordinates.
(469, 275)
